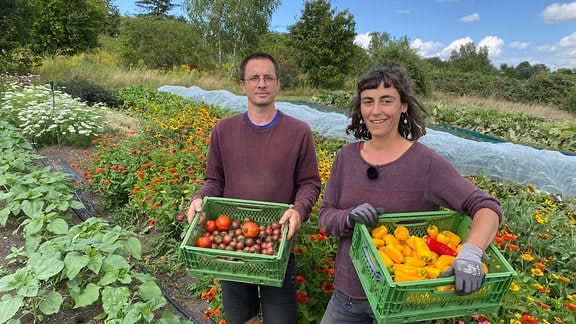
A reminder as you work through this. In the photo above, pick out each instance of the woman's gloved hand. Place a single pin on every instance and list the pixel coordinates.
(467, 270)
(364, 214)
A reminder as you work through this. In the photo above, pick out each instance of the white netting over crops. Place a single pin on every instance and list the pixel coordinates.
(550, 171)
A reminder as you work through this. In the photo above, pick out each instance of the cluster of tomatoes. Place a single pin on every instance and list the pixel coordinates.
(244, 235)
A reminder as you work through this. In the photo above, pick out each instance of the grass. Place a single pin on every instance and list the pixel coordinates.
(102, 68)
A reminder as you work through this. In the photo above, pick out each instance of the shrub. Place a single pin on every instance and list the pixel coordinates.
(88, 92)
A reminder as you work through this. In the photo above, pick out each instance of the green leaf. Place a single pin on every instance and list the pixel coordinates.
(32, 208)
(96, 260)
(34, 226)
(86, 297)
(149, 290)
(46, 264)
(26, 283)
(114, 299)
(75, 262)
(110, 276)
(4, 213)
(58, 226)
(51, 303)
(117, 261)
(134, 247)
(9, 306)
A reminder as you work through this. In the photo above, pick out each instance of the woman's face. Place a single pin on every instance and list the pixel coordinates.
(380, 109)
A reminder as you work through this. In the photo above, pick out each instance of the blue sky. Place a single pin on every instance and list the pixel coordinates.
(540, 32)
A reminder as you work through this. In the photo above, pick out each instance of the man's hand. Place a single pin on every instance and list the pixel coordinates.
(364, 214)
(467, 270)
(195, 207)
(294, 222)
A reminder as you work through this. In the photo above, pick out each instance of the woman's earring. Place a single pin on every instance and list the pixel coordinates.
(361, 122)
(405, 120)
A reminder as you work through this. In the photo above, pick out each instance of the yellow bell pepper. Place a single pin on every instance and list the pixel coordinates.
(403, 272)
(407, 251)
(432, 272)
(432, 231)
(390, 239)
(453, 237)
(388, 262)
(422, 250)
(401, 233)
(379, 231)
(444, 262)
(378, 242)
(442, 238)
(414, 261)
(394, 253)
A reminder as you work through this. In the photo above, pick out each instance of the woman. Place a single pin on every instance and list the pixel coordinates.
(389, 170)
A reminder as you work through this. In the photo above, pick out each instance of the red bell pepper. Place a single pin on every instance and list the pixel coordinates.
(440, 247)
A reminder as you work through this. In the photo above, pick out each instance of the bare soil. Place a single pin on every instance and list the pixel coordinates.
(63, 158)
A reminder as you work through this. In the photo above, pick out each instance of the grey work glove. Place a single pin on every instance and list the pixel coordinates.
(467, 270)
(364, 214)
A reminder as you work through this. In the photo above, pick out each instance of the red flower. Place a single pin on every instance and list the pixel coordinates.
(299, 280)
(529, 319)
(302, 298)
(327, 287)
(570, 306)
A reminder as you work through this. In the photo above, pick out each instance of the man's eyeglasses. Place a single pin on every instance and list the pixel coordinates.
(255, 80)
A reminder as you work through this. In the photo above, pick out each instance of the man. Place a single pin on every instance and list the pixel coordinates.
(263, 155)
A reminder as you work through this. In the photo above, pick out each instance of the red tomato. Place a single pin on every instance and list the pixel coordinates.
(250, 229)
(223, 222)
(203, 242)
(210, 226)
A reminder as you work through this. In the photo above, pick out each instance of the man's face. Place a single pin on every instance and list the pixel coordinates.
(261, 84)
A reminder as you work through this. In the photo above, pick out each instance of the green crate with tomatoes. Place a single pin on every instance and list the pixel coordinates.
(428, 299)
(238, 240)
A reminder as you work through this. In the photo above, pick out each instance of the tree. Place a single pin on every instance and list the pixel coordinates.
(233, 26)
(167, 43)
(383, 49)
(156, 7)
(68, 27)
(323, 41)
(468, 59)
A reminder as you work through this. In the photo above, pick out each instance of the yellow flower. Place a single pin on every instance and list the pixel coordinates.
(536, 272)
(515, 321)
(571, 297)
(527, 257)
(514, 287)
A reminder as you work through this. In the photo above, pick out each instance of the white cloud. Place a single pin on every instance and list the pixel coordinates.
(454, 46)
(470, 18)
(494, 45)
(519, 45)
(404, 12)
(363, 40)
(426, 49)
(557, 13)
(562, 53)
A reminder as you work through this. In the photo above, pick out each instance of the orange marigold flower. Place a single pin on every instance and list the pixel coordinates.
(544, 236)
(513, 247)
(528, 319)
(327, 287)
(570, 306)
(222, 321)
(509, 237)
(540, 265)
(499, 240)
(542, 305)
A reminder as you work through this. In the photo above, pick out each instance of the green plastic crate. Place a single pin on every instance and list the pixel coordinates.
(232, 265)
(419, 300)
